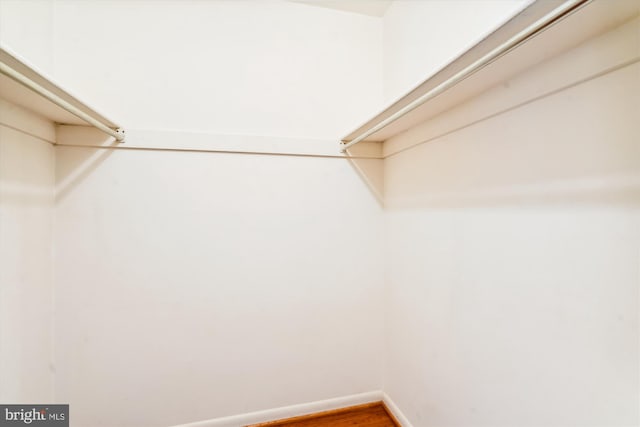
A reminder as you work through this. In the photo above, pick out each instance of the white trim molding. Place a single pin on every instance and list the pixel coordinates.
(391, 406)
(291, 411)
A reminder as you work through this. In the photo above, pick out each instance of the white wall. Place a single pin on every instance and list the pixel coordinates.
(266, 67)
(421, 37)
(513, 248)
(191, 285)
(26, 270)
(26, 27)
(26, 219)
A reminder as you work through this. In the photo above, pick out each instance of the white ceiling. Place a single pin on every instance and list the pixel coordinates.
(364, 7)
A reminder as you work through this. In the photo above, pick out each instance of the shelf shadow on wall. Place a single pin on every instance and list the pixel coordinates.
(90, 148)
(25, 169)
(366, 160)
(462, 171)
(612, 192)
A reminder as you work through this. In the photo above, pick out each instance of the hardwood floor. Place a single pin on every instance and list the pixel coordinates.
(367, 415)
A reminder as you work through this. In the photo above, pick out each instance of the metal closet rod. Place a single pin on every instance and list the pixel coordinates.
(118, 133)
(494, 54)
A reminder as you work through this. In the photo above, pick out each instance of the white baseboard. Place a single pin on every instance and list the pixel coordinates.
(404, 422)
(294, 411)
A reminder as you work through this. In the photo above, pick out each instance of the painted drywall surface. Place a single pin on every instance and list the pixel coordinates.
(193, 286)
(265, 67)
(26, 27)
(190, 285)
(513, 248)
(26, 271)
(421, 37)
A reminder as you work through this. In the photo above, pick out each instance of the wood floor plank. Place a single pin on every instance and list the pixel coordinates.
(368, 415)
